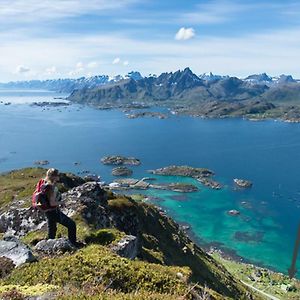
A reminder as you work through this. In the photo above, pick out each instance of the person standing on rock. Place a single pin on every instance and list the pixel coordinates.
(54, 214)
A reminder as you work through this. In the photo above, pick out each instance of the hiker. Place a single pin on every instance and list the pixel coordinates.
(50, 207)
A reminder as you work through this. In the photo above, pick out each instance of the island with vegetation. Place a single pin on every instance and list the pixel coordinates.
(201, 174)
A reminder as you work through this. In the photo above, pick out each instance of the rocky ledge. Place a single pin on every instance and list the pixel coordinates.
(201, 174)
(242, 183)
(120, 160)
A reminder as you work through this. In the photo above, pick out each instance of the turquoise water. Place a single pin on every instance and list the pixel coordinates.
(267, 153)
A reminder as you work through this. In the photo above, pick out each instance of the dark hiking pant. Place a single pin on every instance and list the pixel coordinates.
(56, 216)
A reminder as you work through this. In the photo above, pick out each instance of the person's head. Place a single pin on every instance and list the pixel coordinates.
(52, 175)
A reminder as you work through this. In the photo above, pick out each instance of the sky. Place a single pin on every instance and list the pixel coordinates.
(42, 39)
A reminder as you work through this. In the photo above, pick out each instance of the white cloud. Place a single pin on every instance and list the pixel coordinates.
(35, 10)
(272, 52)
(126, 63)
(185, 34)
(51, 70)
(22, 69)
(116, 61)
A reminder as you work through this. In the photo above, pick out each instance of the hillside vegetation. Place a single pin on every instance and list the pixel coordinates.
(168, 265)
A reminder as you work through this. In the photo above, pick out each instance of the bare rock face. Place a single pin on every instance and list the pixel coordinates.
(55, 246)
(127, 247)
(14, 249)
(18, 221)
(90, 201)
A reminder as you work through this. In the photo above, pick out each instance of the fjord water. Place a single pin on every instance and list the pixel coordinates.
(267, 153)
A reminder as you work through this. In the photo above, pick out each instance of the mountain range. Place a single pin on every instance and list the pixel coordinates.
(256, 96)
(67, 85)
(183, 87)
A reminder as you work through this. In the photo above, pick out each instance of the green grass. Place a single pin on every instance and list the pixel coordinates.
(19, 184)
(96, 263)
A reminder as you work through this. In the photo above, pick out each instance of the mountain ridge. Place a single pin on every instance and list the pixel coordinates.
(69, 84)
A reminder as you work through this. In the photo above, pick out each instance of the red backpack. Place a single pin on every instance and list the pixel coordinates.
(40, 200)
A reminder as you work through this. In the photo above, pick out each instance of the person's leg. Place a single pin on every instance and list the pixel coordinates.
(70, 224)
(52, 220)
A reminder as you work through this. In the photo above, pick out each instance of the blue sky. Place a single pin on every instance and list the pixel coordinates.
(74, 38)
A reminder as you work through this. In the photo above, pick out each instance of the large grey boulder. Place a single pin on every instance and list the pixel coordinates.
(15, 250)
(127, 247)
(54, 246)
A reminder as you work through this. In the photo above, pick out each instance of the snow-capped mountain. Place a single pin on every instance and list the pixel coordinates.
(68, 85)
(211, 77)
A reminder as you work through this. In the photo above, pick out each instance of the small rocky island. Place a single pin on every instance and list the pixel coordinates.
(146, 114)
(120, 160)
(121, 171)
(242, 183)
(143, 184)
(42, 162)
(203, 175)
(50, 104)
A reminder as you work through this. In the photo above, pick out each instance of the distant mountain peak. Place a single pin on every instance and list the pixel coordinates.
(263, 77)
(209, 76)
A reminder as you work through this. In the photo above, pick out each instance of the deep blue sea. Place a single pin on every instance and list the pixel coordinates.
(265, 152)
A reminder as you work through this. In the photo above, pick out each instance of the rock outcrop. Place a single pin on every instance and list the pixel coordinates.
(54, 246)
(14, 249)
(18, 221)
(127, 247)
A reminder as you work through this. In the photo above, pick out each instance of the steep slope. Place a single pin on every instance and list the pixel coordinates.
(163, 249)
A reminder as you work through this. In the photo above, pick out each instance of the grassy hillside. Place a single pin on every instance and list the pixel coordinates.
(169, 264)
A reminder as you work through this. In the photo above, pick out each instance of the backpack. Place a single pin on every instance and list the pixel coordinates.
(39, 198)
